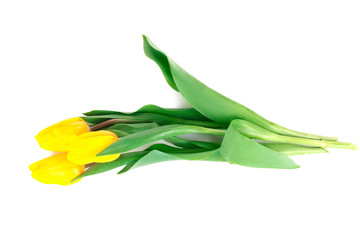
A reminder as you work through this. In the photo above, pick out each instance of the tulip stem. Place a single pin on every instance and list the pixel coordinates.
(89, 164)
(112, 122)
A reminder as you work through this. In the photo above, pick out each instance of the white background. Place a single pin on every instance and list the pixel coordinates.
(294, 62)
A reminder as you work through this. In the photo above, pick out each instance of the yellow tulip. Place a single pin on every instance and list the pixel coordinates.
(86, 146)
(56, 170)
(59, 136)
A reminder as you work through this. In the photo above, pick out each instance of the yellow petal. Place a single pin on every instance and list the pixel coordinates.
(59, 136)
(86, 146)
(56, 170)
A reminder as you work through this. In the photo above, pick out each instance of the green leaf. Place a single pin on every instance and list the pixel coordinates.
(292, 149)
(209, 102)
(163, 147)
(164, 154)
(123, 129)
(124, 118)
(118, 133)
(185, 113)
(217, 155)
(238, 149)
(235, 148)
(104, 167)
(191, 143)
(156, 156)
(148, 117)
(131, 157)
(142, 138)
(132, 127)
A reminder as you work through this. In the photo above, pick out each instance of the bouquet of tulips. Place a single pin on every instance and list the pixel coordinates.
(103, 140)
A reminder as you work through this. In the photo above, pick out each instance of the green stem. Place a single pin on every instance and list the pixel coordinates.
(312, 142)
(248, 129)
(344, 145)
(288, 132)
(256, 132)
(111, 122)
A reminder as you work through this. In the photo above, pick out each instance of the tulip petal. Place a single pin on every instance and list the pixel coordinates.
(86, 146)
(56, 170)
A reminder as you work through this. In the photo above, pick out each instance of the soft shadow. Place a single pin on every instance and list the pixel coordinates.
(181, 102)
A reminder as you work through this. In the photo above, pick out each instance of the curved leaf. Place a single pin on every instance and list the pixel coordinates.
(185, 113)
(142, 138)
(191, 143)
(156, 156)
(238, 149)
(131, 158)
(124, 159)
(160, 155)
(292, 149)
(149, 117)
(235, 148)
(209, 102)
(132, 127)
(123, 129)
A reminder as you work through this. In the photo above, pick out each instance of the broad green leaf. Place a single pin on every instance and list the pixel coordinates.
(142, 138)
(208, 102)
(235, 148)
(119, 133)
(124, 159)
(238, 149)
(185, 113)
(156, 156)
(132, 127)
(165, 151)
(163, 147)
(131, 157)
(123, 129)
(149, 117)
(160, 155)
(170, 149)
(292, 149)
(191, 143)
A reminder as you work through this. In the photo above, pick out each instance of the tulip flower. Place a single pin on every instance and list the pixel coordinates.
(56, 170)
(86, 146)
(247, 138)
(59, 136)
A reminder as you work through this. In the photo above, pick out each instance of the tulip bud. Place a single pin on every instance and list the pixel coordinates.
(59, 136)
(86, 146)
(56, 170)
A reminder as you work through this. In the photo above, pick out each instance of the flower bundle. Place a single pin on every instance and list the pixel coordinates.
(103, 140)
